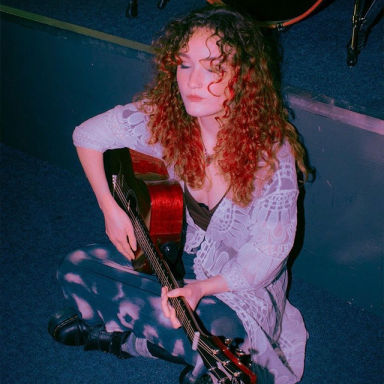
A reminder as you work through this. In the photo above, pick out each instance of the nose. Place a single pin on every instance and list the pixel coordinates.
(195, 79)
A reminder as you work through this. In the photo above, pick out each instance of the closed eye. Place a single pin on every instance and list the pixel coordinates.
(184, 66)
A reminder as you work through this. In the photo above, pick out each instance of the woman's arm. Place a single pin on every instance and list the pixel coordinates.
(269, 231)
(117, 224)
(193, 292)
(122, 126)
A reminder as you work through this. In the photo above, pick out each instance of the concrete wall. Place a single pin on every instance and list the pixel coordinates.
(54, 76)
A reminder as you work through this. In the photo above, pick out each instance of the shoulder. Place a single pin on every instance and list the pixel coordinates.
(283, 177)
(283, 152)
(129, 114)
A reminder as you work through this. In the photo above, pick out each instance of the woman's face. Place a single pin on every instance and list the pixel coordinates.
(202, 80)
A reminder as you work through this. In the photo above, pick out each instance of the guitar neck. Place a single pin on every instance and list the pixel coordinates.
(158, 264)
(162, 271)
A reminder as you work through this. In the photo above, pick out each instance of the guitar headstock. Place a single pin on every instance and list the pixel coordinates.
(223, 363)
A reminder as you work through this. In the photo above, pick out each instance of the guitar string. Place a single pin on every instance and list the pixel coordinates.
(142, 239)
(178, 307)
(160, 272)
(181, 315)
(142, 236)
(176, 303)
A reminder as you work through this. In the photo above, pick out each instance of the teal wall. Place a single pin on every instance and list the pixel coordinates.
(344, 211)
(54, 76)
(52, 79)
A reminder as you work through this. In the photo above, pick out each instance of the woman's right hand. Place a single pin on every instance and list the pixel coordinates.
(119, 228)
(117, 224)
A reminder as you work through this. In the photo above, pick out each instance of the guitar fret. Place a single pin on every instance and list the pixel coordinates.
(150, 251)
(154, 260)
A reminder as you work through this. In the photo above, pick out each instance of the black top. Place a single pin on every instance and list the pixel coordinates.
(199, 212)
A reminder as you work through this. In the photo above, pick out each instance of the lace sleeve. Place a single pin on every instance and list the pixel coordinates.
(270, 231)
(122, 126)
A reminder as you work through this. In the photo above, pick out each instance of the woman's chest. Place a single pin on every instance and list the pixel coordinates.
(215, 187)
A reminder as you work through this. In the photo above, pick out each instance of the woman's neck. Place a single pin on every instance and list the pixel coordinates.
(209, 128)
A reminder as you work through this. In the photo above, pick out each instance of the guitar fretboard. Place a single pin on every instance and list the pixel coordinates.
(159, 266)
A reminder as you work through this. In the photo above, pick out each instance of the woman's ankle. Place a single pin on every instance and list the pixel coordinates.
(109, 342)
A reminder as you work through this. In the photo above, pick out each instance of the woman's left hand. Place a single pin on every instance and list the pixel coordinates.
(193, 294)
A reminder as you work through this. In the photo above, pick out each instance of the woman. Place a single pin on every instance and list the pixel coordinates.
(218, 123)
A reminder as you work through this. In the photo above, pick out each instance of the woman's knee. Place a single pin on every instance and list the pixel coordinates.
(219, 319)
(69, 266)
(82, 256)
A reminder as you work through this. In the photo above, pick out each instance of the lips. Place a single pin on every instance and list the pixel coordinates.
(194, 98)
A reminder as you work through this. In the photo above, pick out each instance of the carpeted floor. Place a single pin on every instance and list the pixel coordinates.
(46, 212)
(314, 49)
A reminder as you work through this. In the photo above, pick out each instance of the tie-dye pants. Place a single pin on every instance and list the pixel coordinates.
(102, 286)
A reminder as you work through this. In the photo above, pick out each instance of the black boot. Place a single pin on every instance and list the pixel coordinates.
(67, 328)
(109, 342)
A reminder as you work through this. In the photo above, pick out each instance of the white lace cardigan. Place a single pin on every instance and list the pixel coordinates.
(248, 246)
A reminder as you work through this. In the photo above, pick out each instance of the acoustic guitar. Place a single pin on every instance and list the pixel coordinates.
(224, 363)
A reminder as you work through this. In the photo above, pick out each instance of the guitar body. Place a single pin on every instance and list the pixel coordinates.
(160, 200)
(155, 208)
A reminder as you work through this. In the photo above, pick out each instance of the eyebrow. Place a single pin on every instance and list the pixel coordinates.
(210, 58)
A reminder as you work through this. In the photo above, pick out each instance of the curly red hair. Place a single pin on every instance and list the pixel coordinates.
(255, 123)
